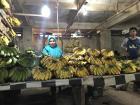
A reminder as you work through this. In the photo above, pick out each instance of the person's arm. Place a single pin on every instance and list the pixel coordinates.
(124, 43)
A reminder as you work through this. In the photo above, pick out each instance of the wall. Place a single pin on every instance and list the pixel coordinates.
(26, 40)
(91, 42)
(116, 43)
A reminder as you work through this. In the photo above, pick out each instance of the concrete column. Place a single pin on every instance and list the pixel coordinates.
(26, 41)
(105, 39)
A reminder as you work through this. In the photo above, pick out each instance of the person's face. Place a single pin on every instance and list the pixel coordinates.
(133, 33)
(52, 42)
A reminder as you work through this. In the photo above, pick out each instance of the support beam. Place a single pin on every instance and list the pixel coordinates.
(63, 25)
(79, 5)
(130, 11)
(18, 7)
(27, 14)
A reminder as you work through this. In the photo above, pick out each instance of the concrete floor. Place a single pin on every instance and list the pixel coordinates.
(111, 97)
(116, 97)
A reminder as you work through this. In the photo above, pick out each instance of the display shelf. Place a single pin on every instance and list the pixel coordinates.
(88, 81)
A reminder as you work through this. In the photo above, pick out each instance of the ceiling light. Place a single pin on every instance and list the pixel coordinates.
(45, 11)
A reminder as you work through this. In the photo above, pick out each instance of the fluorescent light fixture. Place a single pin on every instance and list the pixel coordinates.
(41, 35)
(18, 34)
(46, 36)
(74, 35)
(45, 11)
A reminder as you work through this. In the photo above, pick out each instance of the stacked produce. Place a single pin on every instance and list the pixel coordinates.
(14, 65)
(20, 67)
(41, 74)
(71, 44)
(19, 73)
(128, 66)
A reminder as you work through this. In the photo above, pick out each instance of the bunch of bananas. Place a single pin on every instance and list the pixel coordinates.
(3, 75)
(6, 62)
(30, 52)
(113, 69)
(4, 4)
(98, 70)
(19, 74)
(128, 67)
(4, 40)
(53, 64)
(137, 63)
(8, 51)
(81, 72)
(96, 53)
(39, 74)
(65, 72)
(107, 53)
(95, 61)
(12, 33)
(109, 60)
(79, 51)
(89, 51)
(15, 22)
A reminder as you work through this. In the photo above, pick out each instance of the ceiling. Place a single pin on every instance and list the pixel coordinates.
(69, 17)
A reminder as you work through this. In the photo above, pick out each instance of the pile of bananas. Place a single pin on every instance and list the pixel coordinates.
(98, 70)
(4, 4)
(81, 72)
(19, 74)
(39, 74)
(15, 22)
(6, 51)
(4, 40)
(128, 66)
(3, 74)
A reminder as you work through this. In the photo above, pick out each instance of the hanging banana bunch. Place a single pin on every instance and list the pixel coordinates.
(4, 40)
(12, 33)
(15, 22)
(4, 4)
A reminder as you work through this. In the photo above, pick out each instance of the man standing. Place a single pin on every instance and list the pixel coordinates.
(132, 44)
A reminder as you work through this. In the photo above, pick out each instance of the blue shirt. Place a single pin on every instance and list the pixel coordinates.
(132, 47)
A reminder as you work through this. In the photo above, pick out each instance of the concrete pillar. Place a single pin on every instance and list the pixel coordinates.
(105, 39)
(26, 41)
